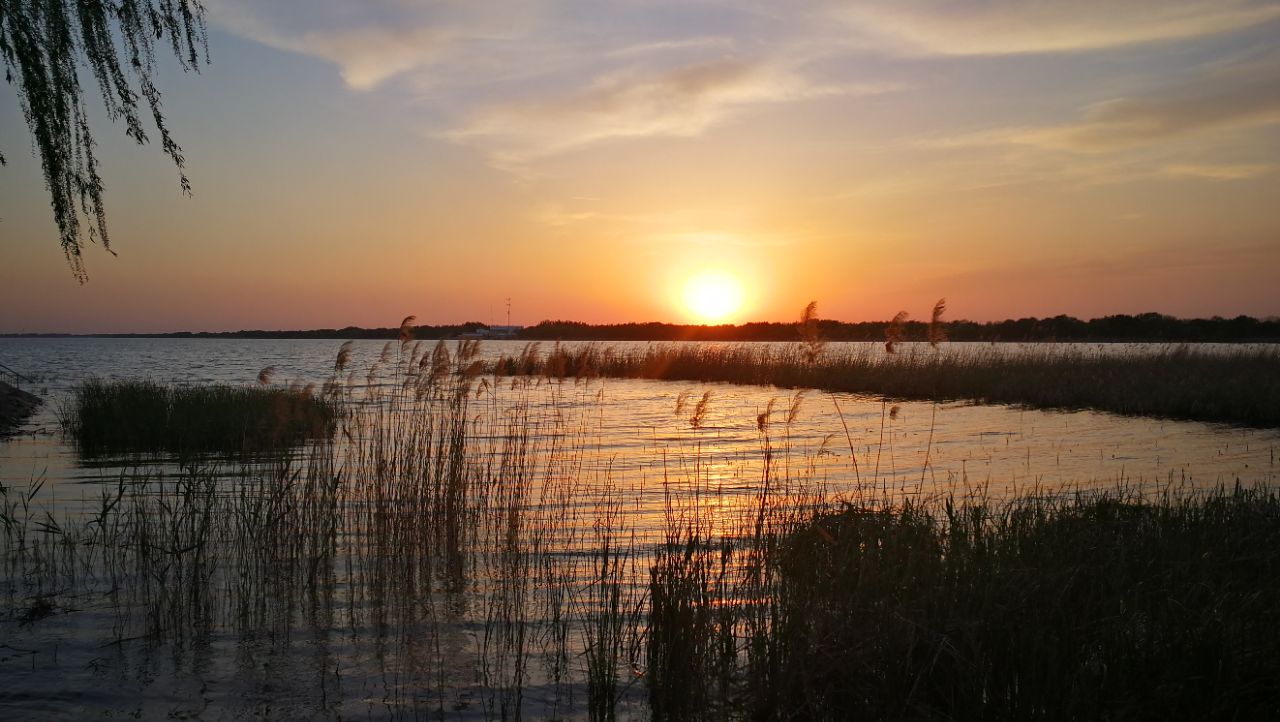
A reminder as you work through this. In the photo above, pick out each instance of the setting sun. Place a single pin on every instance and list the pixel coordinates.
(713, 296)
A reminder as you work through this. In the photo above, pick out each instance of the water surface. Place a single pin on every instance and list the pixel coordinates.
(615, 460)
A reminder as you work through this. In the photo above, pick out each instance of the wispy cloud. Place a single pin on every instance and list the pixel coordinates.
(1236, 96)
(526, 83)
(679, 102)
(532, 81)
(1221, 171)
(1004, 27)
(370, 56)
(1197, 127)
(372, 41)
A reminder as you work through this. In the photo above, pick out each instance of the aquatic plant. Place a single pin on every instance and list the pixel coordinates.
(811, 339)
(1239, 386)
(458, 549)
(123, 416)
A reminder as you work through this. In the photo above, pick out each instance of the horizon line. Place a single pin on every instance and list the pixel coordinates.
(1151, 315)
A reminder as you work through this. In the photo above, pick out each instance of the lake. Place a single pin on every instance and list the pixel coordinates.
(493, 599)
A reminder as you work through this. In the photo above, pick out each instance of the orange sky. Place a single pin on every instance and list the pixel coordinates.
(352, 166)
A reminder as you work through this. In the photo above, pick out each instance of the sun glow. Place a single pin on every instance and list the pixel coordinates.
(713, 296)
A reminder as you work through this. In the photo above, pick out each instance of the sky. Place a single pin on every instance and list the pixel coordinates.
(353, 163)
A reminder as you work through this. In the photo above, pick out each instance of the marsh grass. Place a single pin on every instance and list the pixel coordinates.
(1086, 607)
(443, 529)
(456, 537)
(1239, 386)
(1083, 608)
(111, 416)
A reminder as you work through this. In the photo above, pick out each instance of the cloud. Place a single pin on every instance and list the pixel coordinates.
(530, 81)
(1237, 95)
(679, 102)
(666, 46)
(370, 42)
(1005, 27)
(1221, 171)
(370, 56)
(1240, 96)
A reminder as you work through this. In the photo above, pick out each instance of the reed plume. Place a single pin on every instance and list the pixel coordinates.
(406, 328)
(681, 401)
(762, 419)
(794, 409)
(264, 376)
(700, 410)
(937, 333)
(894, 333)
(810, 335)
(344, 357)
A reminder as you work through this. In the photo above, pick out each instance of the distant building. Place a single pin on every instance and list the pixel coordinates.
(494, 333)
(504, 332)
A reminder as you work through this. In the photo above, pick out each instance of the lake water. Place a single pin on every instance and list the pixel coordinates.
(1001, 448)
(615, 455)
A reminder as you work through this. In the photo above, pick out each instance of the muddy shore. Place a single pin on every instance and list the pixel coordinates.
(15, 406)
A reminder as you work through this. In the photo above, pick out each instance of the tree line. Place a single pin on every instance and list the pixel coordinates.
(1152, 327)
(1121, 327)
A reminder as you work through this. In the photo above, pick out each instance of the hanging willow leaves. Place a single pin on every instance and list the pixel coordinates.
(45, 44)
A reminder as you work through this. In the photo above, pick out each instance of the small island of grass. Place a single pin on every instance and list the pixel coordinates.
(114, 416)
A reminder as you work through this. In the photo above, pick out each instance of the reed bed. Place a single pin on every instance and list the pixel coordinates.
(454, 552)
(112, 416)
(1101, 607)
(444, 539)
(1239, 386)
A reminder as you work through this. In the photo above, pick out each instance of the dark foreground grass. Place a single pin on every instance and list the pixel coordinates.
(144, 416)
(1240, 387)
(1108, 607)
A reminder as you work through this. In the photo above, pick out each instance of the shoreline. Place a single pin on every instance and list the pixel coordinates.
(1238, 387)
(1117, 328)
(16, 406)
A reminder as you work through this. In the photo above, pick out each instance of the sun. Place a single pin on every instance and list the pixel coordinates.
(713, 296)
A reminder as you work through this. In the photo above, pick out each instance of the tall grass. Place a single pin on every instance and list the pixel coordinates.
(1102, 607)
(456, 551)
(105, 416)
(443, 507)
(1085, 608)
(1240, 386)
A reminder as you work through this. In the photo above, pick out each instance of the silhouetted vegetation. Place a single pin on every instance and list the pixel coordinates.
(447, 331)
(49, 49)
(1152, 327)
(1239, 386)
(143, 416)
(496, 572)
(1103, 607)
(1143, 327)
(15, 406)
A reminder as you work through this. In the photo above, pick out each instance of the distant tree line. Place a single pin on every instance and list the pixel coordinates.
(1142, 327)
(349, 332)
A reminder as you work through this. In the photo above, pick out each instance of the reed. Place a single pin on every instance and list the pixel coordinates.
(454, 551)
(1080, 608)
(1237, 386)
(109, 416)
